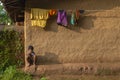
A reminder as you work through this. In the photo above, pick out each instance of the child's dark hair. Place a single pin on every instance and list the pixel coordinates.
(30, 48)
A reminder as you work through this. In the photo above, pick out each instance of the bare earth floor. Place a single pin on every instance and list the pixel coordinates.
(81, 71)
(77, 77)
(84, 77)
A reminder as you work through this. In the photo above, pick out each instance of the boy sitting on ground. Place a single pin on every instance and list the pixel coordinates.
(31, 56)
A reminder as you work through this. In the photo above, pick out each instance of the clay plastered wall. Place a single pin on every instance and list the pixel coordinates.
(95, 39)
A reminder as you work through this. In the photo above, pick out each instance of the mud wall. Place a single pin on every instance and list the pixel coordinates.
(95, 39)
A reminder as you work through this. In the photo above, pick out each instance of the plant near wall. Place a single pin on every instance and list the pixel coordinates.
(11, 49)
(43, 78)
(11, 73)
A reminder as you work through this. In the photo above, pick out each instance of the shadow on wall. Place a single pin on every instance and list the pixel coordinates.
(83, 23)
(47, 58)
(87, 22)
(52, 24)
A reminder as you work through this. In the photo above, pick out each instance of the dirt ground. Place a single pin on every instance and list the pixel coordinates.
(78, 77)
(83, 77)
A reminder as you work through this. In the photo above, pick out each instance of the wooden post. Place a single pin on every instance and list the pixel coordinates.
(25, 25)
(26, 31)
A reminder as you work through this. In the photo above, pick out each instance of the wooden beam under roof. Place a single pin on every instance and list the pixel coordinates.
(14, 8)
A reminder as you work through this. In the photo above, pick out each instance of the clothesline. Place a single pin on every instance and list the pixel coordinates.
(82, 9)
(75, 9)
(39, 17)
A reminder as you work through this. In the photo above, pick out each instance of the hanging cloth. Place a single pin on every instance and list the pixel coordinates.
(62, 18)
(73, 18)
(39, 17)
(52, 12)
(77, 16)
(41, 23)
(39, 14)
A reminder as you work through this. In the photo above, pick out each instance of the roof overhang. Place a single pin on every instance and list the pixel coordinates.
(15, 9)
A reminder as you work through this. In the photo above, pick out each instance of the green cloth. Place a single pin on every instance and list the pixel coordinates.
(73, 18)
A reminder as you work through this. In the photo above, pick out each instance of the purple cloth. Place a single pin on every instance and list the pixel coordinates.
(62, 18)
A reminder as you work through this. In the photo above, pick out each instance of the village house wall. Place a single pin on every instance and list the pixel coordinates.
(95, 39)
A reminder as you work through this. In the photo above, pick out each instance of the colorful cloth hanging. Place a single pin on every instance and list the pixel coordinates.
(77, 16)
(52, 12)
(41, 23)
(39, 17)
(62, 18)
(73, 18)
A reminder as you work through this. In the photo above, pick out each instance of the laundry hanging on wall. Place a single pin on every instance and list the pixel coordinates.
(39, 17)
(62, 18)
(72, 21)
(77, 16)
(52, 12)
